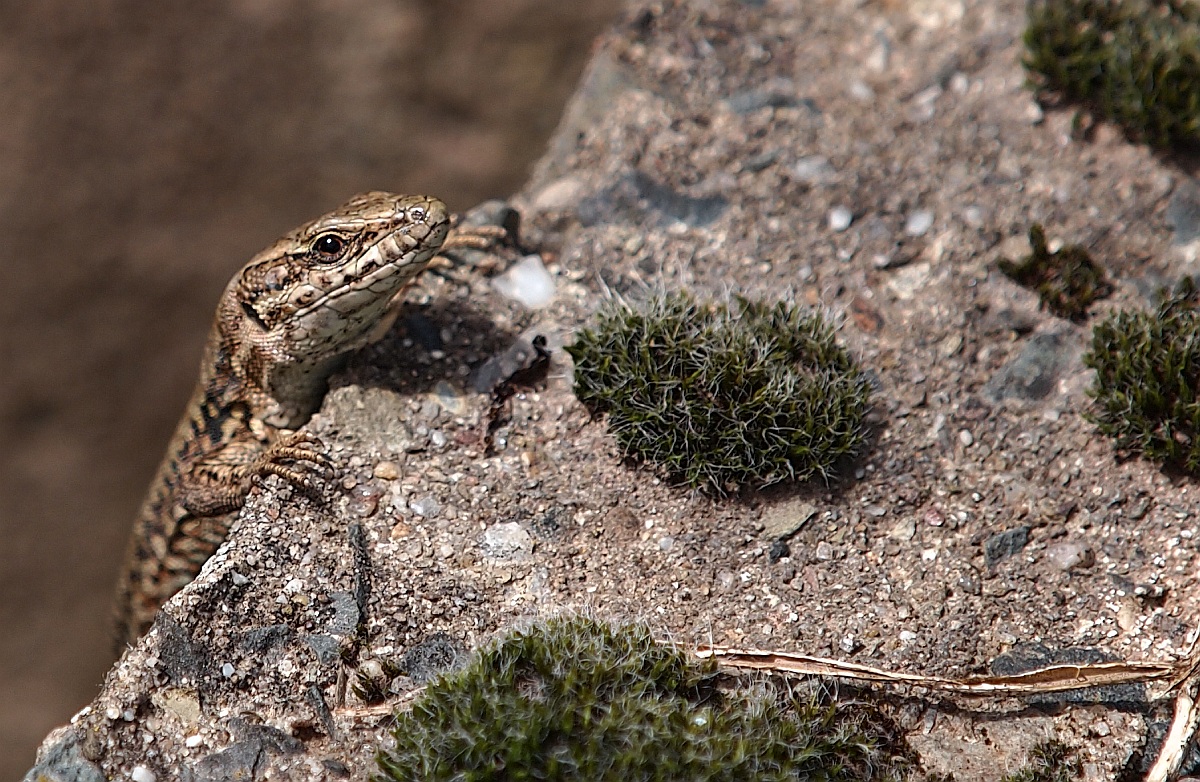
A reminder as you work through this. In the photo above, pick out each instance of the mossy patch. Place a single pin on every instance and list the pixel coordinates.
(1067, 280)
(1147, 375)
(1135, 62)
(576, 699)
(1050, 761)
(722, 396)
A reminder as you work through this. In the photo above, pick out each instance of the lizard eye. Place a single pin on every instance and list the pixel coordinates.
(329, 247)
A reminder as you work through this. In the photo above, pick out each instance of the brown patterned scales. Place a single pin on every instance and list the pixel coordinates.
(327, 288)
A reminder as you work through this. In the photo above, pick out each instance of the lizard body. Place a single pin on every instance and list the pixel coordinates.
(281, 326)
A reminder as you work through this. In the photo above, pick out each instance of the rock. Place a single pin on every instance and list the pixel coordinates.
(814, 170)
(507, 542)
(638, 198)
(561, 195)
(783, 519)
(1183, 212)
(60, 759)
(527, 282)
(918, 223)
(1004, 544)
(779, 95)
(839, 219)
(1033, 375)
(1070, 555)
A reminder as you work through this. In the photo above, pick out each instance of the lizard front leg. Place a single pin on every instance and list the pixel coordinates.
(219, 484)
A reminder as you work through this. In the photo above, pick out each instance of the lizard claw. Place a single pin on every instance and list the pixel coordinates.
(300, 459)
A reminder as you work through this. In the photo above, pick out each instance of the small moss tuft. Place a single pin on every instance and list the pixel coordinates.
(1147, 377)
(724, 396)
(574, 699)
(1050, 761)
(1067, 281)
(1135, 62)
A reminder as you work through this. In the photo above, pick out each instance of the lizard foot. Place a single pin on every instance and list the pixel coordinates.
(476, 239)
(299, 458)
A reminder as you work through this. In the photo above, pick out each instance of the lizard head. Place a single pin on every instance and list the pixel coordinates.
(323, 288)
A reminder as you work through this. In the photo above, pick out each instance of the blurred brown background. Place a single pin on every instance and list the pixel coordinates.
(147, 151)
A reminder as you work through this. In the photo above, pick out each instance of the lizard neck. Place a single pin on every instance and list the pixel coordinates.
(277, 388)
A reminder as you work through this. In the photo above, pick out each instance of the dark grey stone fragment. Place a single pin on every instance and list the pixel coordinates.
(1183, 212)
(326, 648)
(345, 614)
(432, 657)
(260, 640)
(1004, 544)
(1034, 373)
(179, 657)
(63, 761)
(640, 199)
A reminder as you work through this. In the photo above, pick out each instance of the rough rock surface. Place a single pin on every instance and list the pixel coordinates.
(708, 148)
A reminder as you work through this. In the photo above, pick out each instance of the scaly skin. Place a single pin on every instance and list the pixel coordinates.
(282, 324)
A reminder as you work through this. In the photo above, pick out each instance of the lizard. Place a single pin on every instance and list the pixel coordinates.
(282, 326)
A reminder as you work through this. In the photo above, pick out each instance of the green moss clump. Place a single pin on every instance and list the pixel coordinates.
(1050, 761)
(1147, 377)
(724, 396)
(576, 699)
(1135, 62)
(1067, 281)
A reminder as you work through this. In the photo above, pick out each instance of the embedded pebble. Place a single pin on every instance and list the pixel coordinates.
(840, 218)
(388, 471)
(508, 541)
(560, 195)
(918, 223)
(824, 551)
(966, 438)
(777, 96)
(1183, 212)
(1065, 556)
(814, 170)
(425, 506)
(449, 397)
(861, 91)
(783, 519)
(364, 499)
(1004, 544)
(526, 282)
(142, 774)
(1033, 374)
